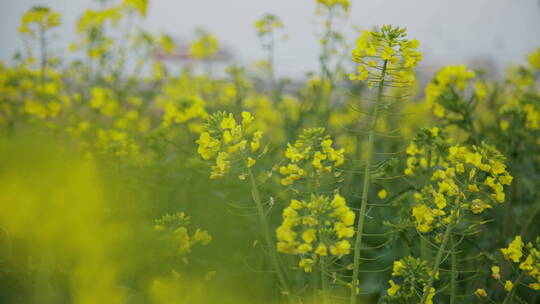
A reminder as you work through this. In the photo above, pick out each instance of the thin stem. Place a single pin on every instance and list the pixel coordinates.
(530, 220)
(43, 51)
(365, 188)
(424, 250)
(454, 271)
(271, 74)
(438, 259)
(510, 295)
(324, 280)
(9, 244)
(267, 236)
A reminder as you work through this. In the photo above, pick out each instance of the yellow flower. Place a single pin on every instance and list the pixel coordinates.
(338, 201)
(341, 248)
(309, 236)
(300, 233)
(205, 46)
(495, 272)
(344, 4)
(534, 59)
(513, 252)
(247, 118)
(267, 24)
(424, 217)
(228, 122)
(321, 250)
(478, 206)
(398, 54)
(398, 268)
(304, 248)
(306, 264)
(387, 53)
(138, 5)
(382, 194)
(508, 285)
(343, 231)
(250, 162)
(393, 288)
(431, 294)
(41, 17)
(480, 292)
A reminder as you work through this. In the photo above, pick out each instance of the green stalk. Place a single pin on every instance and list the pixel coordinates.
(271, 73)
(424, 244)
(9, 244)
(454, 271)
(324, 281)
(424, 250)
(437, 262)
(510, 295)
(365, 187)
(530, 220)
(43, 51)
(267, 236)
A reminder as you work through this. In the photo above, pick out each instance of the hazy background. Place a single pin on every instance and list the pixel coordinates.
(492, 33)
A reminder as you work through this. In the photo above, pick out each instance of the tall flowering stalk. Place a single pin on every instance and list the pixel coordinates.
(34, 24)
(227, 142)
(385, 58)
(266, 30)
(316, 227)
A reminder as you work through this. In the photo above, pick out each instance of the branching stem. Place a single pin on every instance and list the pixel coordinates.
(268, 237)
(365, 187)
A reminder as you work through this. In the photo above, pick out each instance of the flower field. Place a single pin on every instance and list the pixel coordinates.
(124, 179)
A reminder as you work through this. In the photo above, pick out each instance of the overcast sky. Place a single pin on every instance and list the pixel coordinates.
(456, 31)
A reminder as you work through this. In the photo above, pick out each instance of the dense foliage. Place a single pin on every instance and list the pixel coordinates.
(124, 180)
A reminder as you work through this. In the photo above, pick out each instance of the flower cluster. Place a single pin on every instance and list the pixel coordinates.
(189, 109)
(140, 6)
(414, 275)
(447, 94)
(267, 24)
(102, 100)
(311, 153)
(428, 143)
(526, 113)
(92, 20)
(330, 4)
(386, 51)
(526, 256)
(174, 229)
(318, 227)
(468, 179)
(534, 59)
(205, 46)
(42, 17)
(116, 143)
(224, 139)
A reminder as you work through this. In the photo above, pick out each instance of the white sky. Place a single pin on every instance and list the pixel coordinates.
(450, 31)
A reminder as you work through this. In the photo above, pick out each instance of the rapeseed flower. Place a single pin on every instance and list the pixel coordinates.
(317, 227)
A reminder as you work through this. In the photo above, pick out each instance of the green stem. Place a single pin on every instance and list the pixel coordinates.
(9, 244)
(454, 271)
(267, 236)
(324, 281)
(271, 73)
(365, 187)
(530, 220)
(43, 49)
(510, 295)
(437, 262)
(424, 250)
(314, 283)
